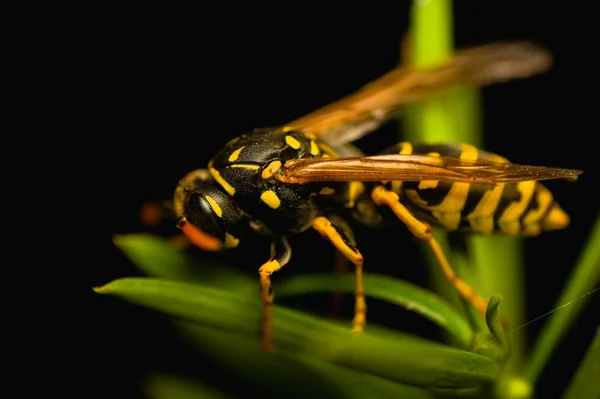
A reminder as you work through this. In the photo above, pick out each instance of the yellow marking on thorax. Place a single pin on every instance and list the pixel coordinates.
(249, 166)
(292, 142)
(230, 241)
(326, 150)
(448, 211)
(532, 220)
(314, 148)
(271, 199)
(217, 176)
(234, 155)
(270, 169)
(213, 204)
(509, 221)
(286, 129)
(327, 191)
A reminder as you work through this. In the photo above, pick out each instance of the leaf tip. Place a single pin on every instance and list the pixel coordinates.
(118, 239)
(100, 290)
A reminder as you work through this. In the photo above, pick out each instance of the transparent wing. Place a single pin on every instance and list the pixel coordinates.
(415, 168)
(354, 116)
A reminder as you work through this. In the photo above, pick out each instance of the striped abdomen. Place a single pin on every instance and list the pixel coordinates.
(525, 208)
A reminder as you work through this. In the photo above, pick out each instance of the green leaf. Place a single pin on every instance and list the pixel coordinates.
(407, 295)
(583, 280)
(585, 382)
(274, 375)
(387, 355)
(163, 386)
(157, 257)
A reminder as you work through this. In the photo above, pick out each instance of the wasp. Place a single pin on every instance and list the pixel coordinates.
(285, 180)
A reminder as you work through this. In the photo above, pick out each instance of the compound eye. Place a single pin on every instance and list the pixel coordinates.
(199, 212)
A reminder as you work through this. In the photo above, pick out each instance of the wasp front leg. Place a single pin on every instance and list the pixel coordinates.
(281, 252)
(343, 243)
(422, 230)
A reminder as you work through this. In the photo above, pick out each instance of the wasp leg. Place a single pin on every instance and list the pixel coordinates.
(422, 230)
(344, 244)
(341, 265)
(281, 252)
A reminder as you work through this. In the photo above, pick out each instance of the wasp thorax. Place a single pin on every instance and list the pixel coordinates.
(208, 216)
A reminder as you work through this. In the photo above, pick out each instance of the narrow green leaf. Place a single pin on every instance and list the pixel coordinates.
(273, 375)
(391, 355)
(493, 320)
(398, 292)
(583, 280)
(157, 257)
(585, 384)
(163, 386)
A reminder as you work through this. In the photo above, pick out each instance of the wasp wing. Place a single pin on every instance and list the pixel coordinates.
(357, 114)
(415, 168)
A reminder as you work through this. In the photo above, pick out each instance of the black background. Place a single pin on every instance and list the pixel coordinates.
(170, 85)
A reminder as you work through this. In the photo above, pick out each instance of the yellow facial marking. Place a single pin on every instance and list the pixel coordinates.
(314, 148)
(250, 166)
(217, 176)
(271, 199)
(327, 191)
(230, 241)
(292, 142)
(234, 155)
(270, 169)
(213, 204)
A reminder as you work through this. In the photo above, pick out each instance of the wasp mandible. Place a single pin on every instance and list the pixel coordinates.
(289, 179)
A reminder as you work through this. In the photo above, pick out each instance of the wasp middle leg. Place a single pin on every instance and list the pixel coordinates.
(343, 243)
(281, 252)
(422, 230)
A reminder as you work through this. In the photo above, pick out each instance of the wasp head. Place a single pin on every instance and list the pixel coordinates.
(208, 216)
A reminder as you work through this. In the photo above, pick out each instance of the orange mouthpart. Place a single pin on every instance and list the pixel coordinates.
(199, 238)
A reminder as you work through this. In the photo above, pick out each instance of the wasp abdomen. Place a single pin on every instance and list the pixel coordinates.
(525, 208)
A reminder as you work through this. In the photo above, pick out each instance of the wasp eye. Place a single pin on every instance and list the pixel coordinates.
(199, 212)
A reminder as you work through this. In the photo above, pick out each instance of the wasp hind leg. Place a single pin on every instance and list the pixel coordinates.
(422, 230)
(281, 252)
(343, 242)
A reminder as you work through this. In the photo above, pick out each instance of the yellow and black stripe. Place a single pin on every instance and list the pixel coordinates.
(525, 208)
